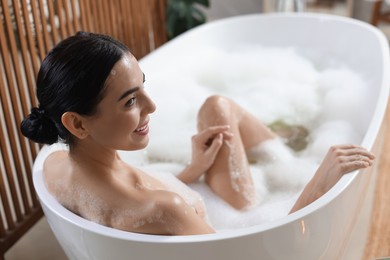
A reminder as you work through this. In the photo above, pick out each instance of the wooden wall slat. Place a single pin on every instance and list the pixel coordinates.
(145, 21)
(68, 19)
(94, 15)
(27, 66)
(3, 216)
(87, 12)
(112, 14)
(37, 24)
(53, 27)
(138, 40)
(160, 23)
(131, 41)
(75, 15)
(122, 26)
(107, 18)
(100, 16)
(43, 26)
(61, 19)
(83, 15)
(31, 44)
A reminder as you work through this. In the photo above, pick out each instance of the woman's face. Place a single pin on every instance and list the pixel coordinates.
(121, 120)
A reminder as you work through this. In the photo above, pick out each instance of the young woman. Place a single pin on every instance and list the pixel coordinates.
(91, 96)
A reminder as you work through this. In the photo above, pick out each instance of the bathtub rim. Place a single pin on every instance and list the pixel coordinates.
(368, 141)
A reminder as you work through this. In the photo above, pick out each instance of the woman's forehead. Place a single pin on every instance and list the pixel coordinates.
(125, 69)
(126, 63)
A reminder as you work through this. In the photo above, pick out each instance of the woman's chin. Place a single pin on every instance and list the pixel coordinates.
(134, 146)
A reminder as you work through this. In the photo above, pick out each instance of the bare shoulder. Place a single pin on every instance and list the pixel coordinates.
(55, 161)
(166, 213)
(55, 168)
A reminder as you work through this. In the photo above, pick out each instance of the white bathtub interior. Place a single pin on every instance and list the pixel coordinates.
(308, 234)
(273, 84)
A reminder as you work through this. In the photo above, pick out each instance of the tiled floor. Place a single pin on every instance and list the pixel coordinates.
(39, 243)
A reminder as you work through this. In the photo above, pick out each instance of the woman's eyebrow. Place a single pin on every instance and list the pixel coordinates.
(128, 92)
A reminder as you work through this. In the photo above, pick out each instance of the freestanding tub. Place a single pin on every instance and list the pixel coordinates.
(322, 230)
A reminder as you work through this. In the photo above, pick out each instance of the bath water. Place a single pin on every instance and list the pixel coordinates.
(273, 84)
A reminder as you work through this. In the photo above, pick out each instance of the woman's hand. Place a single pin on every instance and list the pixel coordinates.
(205, 147)
(340, 159)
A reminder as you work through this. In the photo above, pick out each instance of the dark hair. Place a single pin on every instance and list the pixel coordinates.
(71, 78)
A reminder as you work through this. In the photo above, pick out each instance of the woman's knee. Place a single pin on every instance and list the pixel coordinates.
(215, 110)
(216, 102)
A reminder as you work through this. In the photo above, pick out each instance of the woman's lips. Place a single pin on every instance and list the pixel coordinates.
(143, 130)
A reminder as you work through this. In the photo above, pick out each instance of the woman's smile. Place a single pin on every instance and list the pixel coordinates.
(143, 130)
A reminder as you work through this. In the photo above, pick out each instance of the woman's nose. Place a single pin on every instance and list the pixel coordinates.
(150, 106)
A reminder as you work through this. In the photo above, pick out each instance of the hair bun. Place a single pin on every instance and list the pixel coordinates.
(37, 113)
(38, 127)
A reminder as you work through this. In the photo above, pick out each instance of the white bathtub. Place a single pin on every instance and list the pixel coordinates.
(322, 230)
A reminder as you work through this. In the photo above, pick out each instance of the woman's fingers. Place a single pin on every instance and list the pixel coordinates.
(203, 156)
(215, 146)
(354, 165)
(351, 157)
(351, 149)
(207, 135)
(357, 157)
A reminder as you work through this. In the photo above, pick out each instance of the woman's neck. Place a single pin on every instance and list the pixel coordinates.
(97, 157)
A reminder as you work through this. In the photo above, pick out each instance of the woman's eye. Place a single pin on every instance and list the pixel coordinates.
(130, 102)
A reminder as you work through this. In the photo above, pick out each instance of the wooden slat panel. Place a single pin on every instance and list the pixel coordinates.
(15, 101)
(25, 95)
(3, 178)
(19, 103)
(10, 123)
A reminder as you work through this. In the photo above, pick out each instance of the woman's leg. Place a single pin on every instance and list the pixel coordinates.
(229, 177)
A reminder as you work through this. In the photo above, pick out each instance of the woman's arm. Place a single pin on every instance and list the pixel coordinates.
(340, 159)
(168, 214)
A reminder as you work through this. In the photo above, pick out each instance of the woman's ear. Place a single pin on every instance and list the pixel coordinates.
(75, 124)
